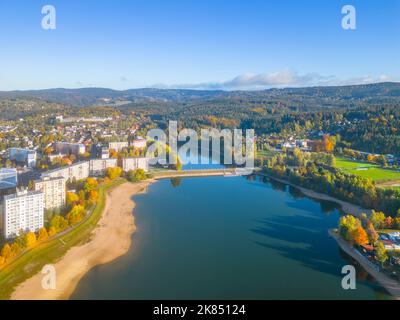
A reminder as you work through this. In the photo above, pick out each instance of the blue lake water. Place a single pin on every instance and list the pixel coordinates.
(228, 238)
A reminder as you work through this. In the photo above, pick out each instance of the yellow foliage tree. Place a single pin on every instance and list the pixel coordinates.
(30, 239)
(93, 195)
(76, 214)
(15, 249)
(52, 231)
(114, 173)
(6, 251)
(72, 198)
(90, 184)
(43, 235)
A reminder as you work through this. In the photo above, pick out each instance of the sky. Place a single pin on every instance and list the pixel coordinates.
(202, 44)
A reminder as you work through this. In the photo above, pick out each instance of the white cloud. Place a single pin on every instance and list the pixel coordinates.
(284, 78)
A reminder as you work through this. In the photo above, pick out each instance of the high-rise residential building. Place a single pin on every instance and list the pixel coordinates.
(54, 190)
(23, 211)
(135, 163)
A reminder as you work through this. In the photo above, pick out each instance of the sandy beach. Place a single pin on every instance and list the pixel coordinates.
(110, 240)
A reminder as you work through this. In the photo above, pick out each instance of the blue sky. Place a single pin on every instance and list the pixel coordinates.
(197, 44)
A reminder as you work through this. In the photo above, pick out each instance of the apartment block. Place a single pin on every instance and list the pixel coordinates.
(54, 190)
(98, 167)
(135, 163)
(23, 211)
(67, 148)
(79, 171)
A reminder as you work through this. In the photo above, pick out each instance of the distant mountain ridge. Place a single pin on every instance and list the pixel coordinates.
(378, 92)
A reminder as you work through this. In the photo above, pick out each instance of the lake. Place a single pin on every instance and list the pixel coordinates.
(228, 238)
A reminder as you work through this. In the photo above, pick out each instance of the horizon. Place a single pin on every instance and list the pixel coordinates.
(208, 45)
(198, 89)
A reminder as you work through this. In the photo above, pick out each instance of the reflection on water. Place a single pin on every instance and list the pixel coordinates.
(229, 238)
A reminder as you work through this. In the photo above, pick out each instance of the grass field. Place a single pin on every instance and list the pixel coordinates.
(348, 164)
(33, 260)
(367, 170)
(265, 153)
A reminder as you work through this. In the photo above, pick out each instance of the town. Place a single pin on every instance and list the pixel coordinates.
(35, 181)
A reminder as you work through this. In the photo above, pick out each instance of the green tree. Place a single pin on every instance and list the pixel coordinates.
(59, 223)
(378, 219)
(380, 253)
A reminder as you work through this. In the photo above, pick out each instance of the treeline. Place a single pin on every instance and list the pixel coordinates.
(316, 174)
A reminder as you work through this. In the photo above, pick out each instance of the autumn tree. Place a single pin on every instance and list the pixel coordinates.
(114, 173)
(373, 236)
(360, 236)
(43, 234)
(52, 231)
(136, 175)
(6, 251)
(93, 195)
(15, 249)
(76, 214)
(378, 219)
(389, 222)
(380, 253)
(72, 198)
(370, 158)
(59, 223)
(30, 239)
(113, 154)
(347, 225)
(90, 184)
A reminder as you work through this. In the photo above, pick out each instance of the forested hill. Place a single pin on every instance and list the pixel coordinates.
(340, 96)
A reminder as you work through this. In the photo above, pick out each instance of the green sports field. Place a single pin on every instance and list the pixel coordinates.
(367, 170)
(348, 164)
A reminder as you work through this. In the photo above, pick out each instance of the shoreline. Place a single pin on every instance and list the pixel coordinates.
(347, 207)
(110, 240)
(390, 285)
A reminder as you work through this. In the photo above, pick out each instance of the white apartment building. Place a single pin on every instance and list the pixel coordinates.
(98, 167)
(54, 190)
(79, 171)
(117, 146)
(135, 163)
(66, 148)
(22, 211)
